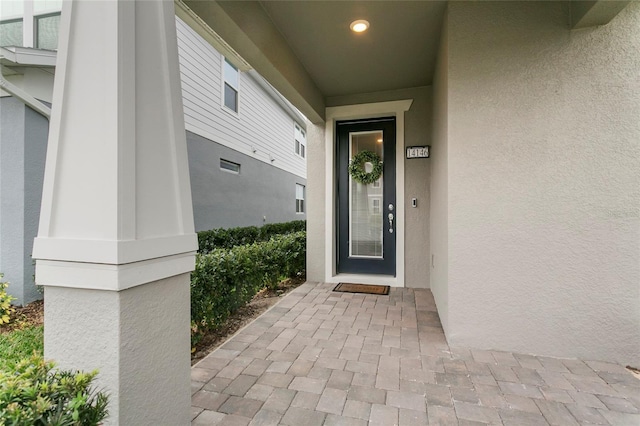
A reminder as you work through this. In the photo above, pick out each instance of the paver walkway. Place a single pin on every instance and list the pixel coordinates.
(320, 357)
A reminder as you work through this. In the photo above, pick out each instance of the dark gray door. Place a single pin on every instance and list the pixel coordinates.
(366, 213)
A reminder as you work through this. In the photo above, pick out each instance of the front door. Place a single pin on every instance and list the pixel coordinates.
(366, 211)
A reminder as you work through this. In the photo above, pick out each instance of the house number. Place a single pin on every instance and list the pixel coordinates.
(418, 151)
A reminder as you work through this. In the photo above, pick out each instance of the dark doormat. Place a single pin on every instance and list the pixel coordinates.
(362, 288)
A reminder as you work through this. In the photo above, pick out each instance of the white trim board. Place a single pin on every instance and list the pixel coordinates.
(351, 112)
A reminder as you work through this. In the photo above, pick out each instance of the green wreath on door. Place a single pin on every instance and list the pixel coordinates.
(357, 170)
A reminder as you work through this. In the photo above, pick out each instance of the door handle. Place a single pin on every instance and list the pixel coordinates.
(390, 216)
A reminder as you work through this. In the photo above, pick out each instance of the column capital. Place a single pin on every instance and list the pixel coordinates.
(116, 187)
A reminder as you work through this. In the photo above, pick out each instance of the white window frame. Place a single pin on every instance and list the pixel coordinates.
(300, 207)
(38, 16)
(299, 141)
(223, 83)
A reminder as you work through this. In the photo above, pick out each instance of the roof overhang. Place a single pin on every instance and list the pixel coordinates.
(585, 13)
(25, 56)
(306, 51)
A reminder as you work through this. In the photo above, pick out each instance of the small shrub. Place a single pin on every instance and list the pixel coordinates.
(6, 310)
(33, 393)
(222, 281)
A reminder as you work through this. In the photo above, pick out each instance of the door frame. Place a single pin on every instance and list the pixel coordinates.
(353, 112)
(385, 264)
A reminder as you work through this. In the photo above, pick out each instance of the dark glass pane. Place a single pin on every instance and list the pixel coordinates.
(11, 33)
(365, 228)
(230, 98)
(47, 31)
(230, 166)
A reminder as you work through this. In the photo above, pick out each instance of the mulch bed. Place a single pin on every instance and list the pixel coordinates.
(259, 304)
(25, 316)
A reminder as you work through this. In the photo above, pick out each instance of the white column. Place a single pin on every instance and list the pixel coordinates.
(116, 240)
(27, 25)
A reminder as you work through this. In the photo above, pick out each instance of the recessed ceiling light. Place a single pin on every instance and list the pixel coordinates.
(359, 26)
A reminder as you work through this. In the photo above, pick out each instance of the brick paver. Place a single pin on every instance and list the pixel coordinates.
(320, 357)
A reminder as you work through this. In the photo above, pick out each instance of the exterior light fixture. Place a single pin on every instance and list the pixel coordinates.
(359, 26)
(379, 140)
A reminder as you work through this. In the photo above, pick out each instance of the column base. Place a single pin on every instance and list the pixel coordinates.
(137, 338)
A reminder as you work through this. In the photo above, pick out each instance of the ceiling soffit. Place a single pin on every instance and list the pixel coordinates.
(397, 51)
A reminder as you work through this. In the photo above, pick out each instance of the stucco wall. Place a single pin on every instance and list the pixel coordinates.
(224, 200)
(544, 189)
(23, 144)
(11, 194)
(316, 172)
(439, 207)
(35, 151)
(416, 185)
(138, 339)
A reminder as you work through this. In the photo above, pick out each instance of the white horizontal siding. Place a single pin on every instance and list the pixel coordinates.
(261, 124)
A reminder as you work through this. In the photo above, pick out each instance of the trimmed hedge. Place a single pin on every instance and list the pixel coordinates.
(226, 279)
(229, 238)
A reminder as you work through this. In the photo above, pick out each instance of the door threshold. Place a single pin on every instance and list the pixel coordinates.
(389, 280)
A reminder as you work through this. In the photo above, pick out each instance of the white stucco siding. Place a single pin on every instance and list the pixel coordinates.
(316, 203)
(544, 189)
(129, 336)
(438, 207)
(261, 124)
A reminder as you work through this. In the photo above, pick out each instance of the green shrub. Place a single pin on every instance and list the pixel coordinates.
(33, 393)
(271, 229)
(226, 279)
(228, 238)
(281, 257)
(222, 281)
(6, 310)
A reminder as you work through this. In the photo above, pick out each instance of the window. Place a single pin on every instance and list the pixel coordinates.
(299, 198)
(300, 141)
(46, 27)
(376, 206)
(230, 86)
(229, 166)
(11, 33)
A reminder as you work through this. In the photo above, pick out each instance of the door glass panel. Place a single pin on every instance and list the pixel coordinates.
(365, 214)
